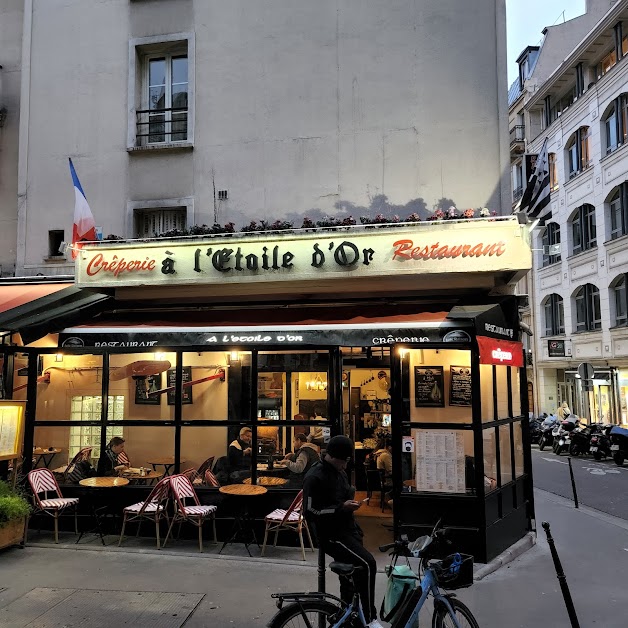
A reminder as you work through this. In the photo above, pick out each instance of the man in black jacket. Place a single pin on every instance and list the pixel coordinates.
(329, 507)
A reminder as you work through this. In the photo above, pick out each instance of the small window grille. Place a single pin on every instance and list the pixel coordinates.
(223, 195)
(153, 222)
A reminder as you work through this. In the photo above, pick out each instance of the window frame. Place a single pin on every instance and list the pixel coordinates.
(583, 229)
(618, 216)
(578, 151)
(134, 207)
(551, 236)
(619, 297)
(554, 315)
(587, 301)
(615, 121)
(553, 171)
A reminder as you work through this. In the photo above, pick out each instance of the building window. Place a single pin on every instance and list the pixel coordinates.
(615, 122)
(618, 208)
(619, 301)
(579, 88)
(553, 171)
(517, 181)
(554, 315)
(161, 87)
(607, 63)
(551, 238)
(587, 308)
(583, 231)
(578, 152)
(55, 240)
(150, 223)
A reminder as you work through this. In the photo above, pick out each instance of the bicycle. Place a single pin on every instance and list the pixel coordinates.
(323, 610)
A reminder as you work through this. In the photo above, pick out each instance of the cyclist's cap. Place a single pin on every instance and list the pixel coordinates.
(340, 447)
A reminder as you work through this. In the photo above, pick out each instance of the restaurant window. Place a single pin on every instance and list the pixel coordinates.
(578, 152)
(619, 302)
(553, 171)
(554, 314)
(583, 229)
(549, 240)
(618, 210)
(587, 308)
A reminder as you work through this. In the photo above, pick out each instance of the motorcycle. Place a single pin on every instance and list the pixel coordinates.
(547, 427)
(619, 444)
(562, 435)
(535, 430)
(581, 439)
(600, 446)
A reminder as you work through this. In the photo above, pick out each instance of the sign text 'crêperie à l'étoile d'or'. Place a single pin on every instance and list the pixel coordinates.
(487, 247)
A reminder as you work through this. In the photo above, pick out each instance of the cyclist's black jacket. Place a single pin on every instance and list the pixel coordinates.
(325, 490)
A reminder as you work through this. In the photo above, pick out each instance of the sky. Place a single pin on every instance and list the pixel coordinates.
(526, 20)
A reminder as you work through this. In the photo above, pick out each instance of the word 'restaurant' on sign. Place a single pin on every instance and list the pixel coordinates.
(394, 251)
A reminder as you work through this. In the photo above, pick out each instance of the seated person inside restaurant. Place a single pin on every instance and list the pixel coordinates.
(384, 463)
(240, 455)
(299, 463)
(108, 463)
(316, 435)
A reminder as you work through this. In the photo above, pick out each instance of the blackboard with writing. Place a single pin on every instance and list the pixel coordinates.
(187, 390)
(460, 386)
(429, 387)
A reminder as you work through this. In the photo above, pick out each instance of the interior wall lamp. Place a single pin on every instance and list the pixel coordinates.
(59, 357)
(233, 357)
(316, 384)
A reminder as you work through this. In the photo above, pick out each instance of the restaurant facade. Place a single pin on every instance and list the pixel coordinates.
(408, 332)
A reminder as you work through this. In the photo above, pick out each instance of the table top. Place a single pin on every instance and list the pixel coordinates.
(165, 460)
(243, 490)
(276, 465)
(42, 452)
(150, 475)
(267, 480)
(103, 482)
(411, 483)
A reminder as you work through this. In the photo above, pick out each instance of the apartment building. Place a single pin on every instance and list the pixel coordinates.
(578, 285)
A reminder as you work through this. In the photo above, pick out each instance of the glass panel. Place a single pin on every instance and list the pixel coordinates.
(52, 445)
(179, 71)
(518, 437)
(69, 377)
(439, 389)
(442, 461)
(200, 443)
(207, 377)
(490, 460)
(516, 391)
(486, 385)
(611, 132)
(157, 72)
(505, 460)
(140, 378)
(502, 392)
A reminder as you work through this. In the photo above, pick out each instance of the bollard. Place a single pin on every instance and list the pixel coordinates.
(573, 484)
(321, 581)
(564, 587)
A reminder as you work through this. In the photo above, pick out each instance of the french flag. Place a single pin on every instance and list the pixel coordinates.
(84, 226)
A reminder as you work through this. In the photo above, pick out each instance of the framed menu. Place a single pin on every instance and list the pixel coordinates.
(429, 387)
(11, 428)
(146, 385)
(460, 386)
(440, 462)
(186, 393)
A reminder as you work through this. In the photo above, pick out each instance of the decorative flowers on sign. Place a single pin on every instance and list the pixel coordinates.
(484, 212)
(469, 213)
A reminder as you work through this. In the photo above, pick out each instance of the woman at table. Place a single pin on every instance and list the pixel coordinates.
(300, 462)
(108, 462)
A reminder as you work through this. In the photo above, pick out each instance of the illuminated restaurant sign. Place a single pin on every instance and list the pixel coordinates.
(426, 248)
(500, 352)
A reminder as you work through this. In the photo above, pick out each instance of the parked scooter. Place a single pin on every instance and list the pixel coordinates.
(619, 444)
(547, 427)
(600, 445)
(562, 434)
(581, 438)
(535, 430)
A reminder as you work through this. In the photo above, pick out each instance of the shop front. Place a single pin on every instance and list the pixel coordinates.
(407, 333)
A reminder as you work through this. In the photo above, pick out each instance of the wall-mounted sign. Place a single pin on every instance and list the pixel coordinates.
(556, 348)
(429, 387)
(146, 385)
(460, 386)
(186, 392)
(407, 444)
(11, 428)
(500, 352)
(427, 248)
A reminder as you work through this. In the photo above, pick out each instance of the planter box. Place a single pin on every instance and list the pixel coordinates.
(12, 533)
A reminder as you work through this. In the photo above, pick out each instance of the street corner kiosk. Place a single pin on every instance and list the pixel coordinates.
(406, 332)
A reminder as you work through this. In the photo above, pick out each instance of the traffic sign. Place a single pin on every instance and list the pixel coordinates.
(586, 370)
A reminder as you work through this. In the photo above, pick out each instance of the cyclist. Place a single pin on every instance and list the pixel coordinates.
(329, 507)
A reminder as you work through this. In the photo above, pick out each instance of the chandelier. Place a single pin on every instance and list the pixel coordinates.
(317, 383)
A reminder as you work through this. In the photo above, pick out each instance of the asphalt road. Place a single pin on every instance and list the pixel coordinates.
(600, 485)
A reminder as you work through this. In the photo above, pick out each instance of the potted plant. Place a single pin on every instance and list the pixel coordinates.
(14, 511)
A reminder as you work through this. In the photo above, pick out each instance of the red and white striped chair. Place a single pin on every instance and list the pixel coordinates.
(211, 479)
(123, 458)
(154, 508)
(199, 478)
(291, 519)
(82, 455)
(44, 481)
(182, 489)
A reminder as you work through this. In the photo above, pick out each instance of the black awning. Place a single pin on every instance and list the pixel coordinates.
(52, 313)
(495, 320)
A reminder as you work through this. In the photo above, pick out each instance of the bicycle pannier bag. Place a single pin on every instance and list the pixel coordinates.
(401, 582)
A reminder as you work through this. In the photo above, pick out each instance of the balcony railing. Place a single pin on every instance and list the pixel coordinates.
(161, 126)
(517, 134)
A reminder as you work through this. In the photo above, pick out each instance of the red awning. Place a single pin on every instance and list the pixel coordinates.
(14, 295)
(500, 352)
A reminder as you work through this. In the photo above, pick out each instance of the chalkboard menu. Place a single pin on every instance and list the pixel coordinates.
(429, 387)
(460, 386)
(187, 390)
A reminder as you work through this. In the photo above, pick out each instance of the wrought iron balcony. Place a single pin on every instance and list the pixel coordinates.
(161, 126)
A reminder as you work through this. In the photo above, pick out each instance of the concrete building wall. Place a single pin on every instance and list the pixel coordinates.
(298, 109)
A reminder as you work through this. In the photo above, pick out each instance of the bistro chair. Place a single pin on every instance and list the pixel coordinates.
(44, 481)
(200, 474)
(211, 479)
(154, 508)
(81, 456)
(291, 519)
(182, 489)
(124, 459)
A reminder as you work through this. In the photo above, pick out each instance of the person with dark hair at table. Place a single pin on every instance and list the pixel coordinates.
(329, 506)
(108, 463)
(305, 456)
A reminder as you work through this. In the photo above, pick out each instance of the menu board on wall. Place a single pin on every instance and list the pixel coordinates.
(440, 462)
(429, 387)
(11, 428)
(460, 386)
(144, 386)
(186, 392)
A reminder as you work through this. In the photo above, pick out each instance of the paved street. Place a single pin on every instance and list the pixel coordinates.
(601, 485)
(236, 591)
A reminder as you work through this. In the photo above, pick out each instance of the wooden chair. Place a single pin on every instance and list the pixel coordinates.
(291, 519)
(82, 455)
(44, 481)
(182, 489)
(154, 508)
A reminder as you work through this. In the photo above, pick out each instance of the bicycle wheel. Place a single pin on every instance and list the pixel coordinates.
(442, 619)
(298, 615)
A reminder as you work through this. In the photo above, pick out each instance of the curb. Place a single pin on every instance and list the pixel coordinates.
(514, 551)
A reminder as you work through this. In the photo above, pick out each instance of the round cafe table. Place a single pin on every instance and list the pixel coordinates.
(135, 477)
(243, 530)
(267, 480)
(103, 482)
(99, 511)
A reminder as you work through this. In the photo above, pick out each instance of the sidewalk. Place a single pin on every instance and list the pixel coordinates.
(236, 590)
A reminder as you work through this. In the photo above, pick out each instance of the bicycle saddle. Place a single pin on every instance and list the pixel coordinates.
(342, 569)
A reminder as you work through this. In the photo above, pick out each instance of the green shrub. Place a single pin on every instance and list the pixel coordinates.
(12, 505)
